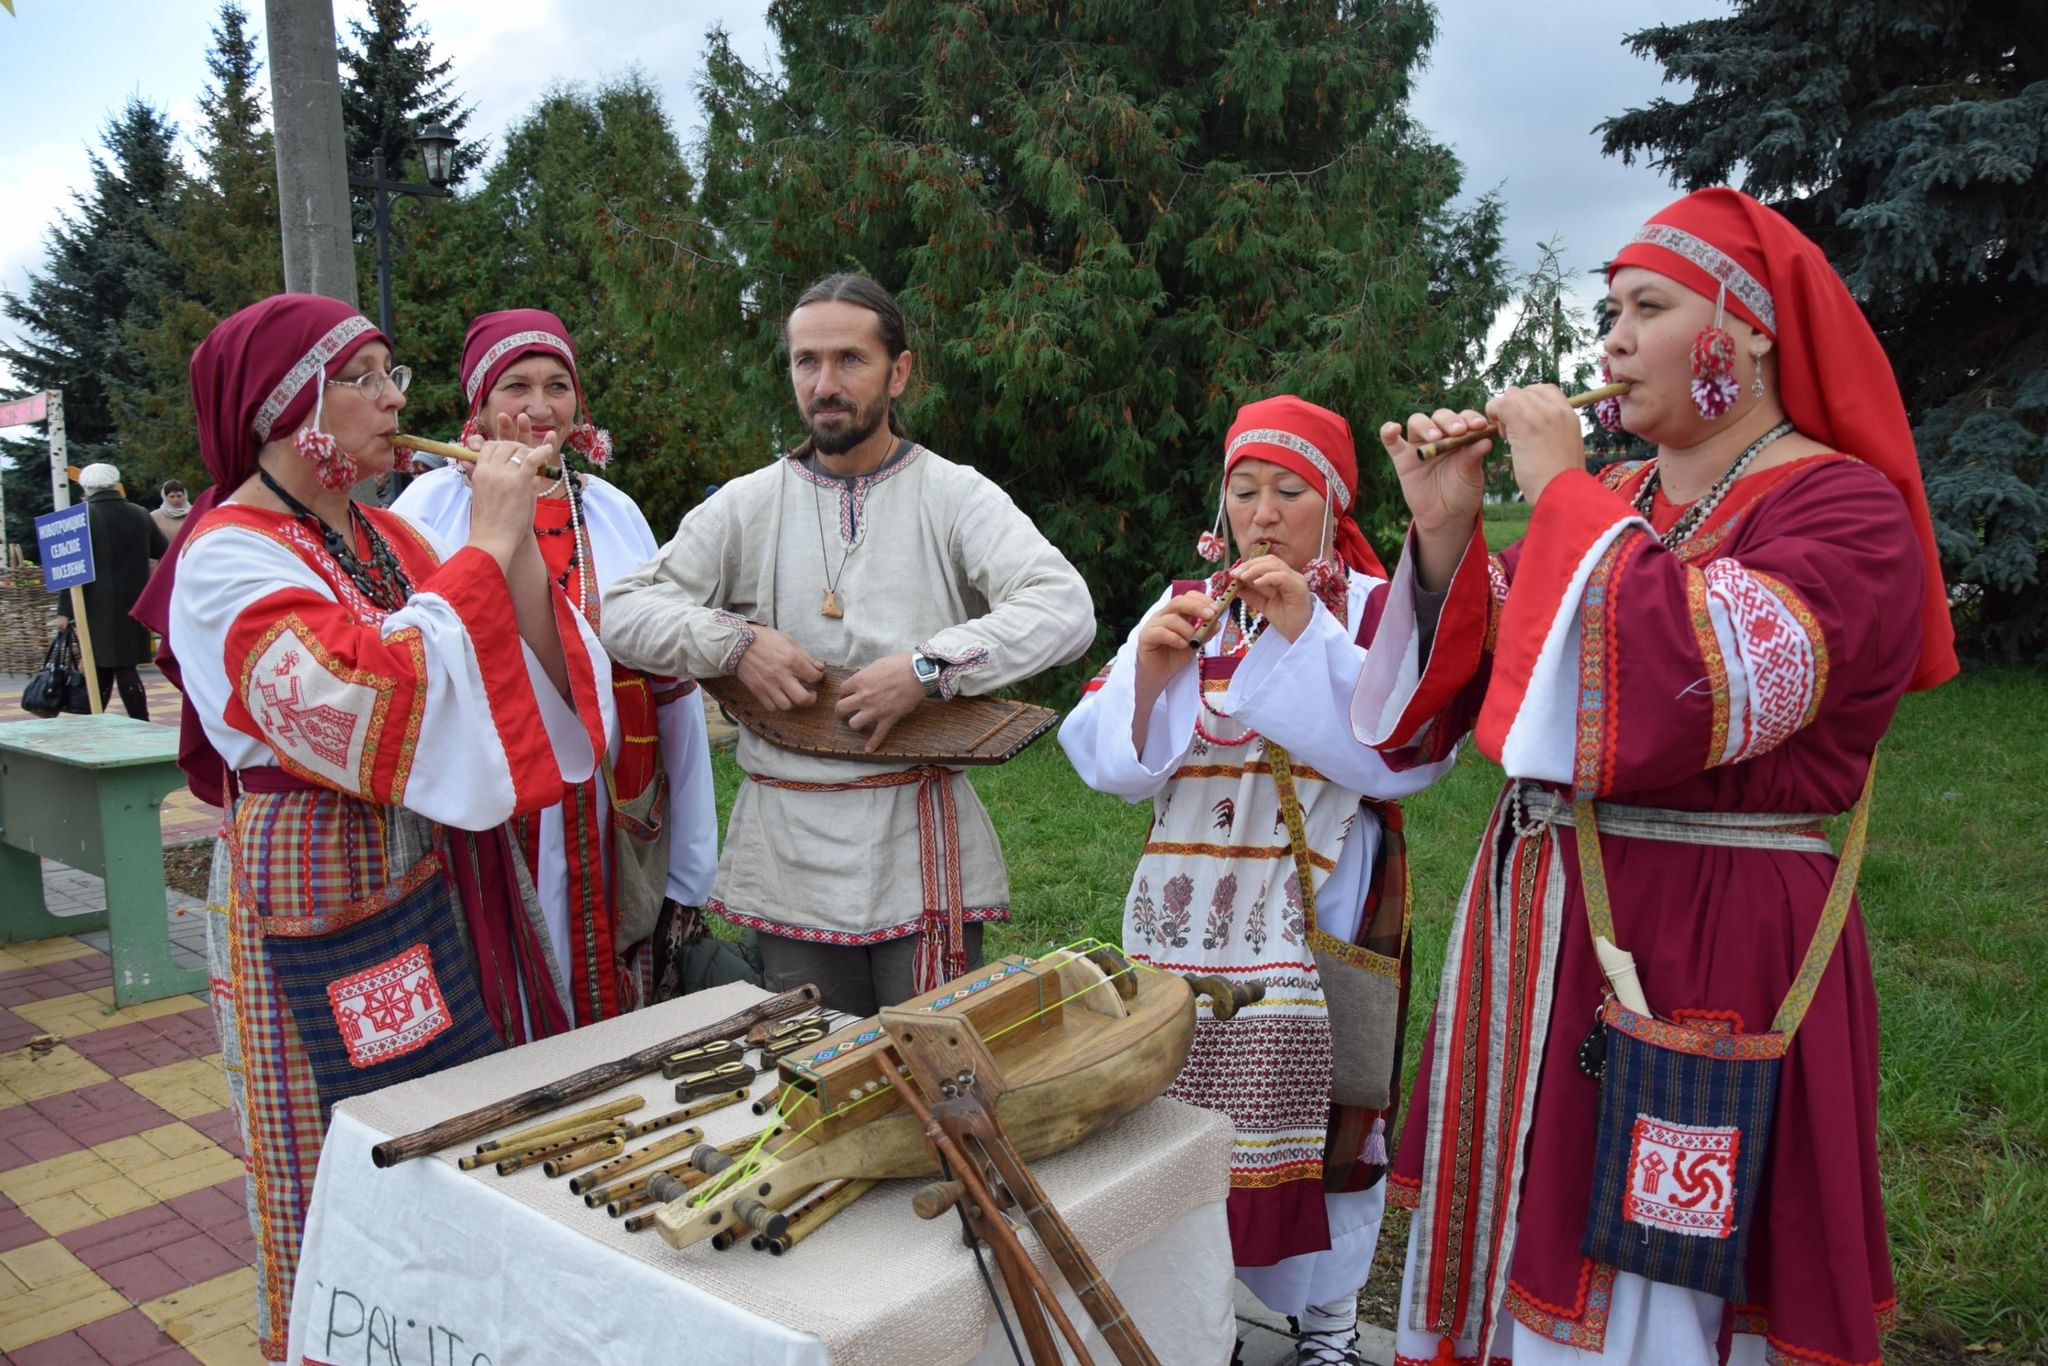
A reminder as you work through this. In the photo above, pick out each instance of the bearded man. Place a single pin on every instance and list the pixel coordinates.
(865, 549)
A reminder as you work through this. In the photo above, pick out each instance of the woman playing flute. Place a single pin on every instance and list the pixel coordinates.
(1217, 890)
(616, 891)
(371, 705)
(1708, 647)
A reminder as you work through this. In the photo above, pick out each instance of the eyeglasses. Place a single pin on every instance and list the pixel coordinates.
(370, 384)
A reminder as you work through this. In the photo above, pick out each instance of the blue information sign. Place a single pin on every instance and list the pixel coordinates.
(64, 544)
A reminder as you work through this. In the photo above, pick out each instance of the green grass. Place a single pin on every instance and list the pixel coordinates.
(1955, 895)
(1505, 522)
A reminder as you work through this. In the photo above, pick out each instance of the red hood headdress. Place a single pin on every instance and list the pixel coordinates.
(1833, 377)
(497, 341)
(1314, 443)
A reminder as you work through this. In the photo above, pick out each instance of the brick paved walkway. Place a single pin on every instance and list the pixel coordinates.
(122, 1233)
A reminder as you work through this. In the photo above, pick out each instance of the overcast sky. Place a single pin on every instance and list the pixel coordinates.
(1515, 87)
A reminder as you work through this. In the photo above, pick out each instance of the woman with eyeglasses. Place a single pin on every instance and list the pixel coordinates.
(624, 863)
(371, 706)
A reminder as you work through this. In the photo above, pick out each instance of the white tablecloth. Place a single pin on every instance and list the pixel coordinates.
(431, 1266)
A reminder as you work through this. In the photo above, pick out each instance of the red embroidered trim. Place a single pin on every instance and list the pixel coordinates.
(1585, 1325)
(1700, 1043)
(1710, 1021)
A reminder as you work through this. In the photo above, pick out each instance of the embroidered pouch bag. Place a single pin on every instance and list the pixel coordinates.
(1361, 988)
(639, 858)
(1685, 1113)
(384, 989)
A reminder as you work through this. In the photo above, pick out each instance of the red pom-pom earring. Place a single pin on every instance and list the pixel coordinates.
(592, 443)
(1607, 412)
(1713, 365)
(335, 468)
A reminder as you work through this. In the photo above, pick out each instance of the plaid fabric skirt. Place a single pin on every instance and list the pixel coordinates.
(309, 890)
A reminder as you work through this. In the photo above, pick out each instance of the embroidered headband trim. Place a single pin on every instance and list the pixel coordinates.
(1716, 263)
(300, 375)
(1301, 446)
(513, 343)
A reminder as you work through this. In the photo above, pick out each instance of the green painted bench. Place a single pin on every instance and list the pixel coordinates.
(87, 791)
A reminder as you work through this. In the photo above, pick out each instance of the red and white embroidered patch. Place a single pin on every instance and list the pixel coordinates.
(1775, 662)
(312, 714)
(390, 1009)
(1681, 1178)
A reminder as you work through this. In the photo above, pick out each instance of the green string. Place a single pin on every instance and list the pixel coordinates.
(747, 1165)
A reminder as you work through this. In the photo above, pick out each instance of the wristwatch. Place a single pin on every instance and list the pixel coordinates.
(927, 671)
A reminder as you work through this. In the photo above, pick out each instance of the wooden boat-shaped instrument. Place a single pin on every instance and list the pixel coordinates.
(1077, 1048)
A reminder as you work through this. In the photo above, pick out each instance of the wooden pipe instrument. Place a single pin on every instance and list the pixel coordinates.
(449, 451)
(1214, 624)
(1451, 443)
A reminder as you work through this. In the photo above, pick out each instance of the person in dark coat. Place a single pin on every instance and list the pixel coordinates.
(125, 542)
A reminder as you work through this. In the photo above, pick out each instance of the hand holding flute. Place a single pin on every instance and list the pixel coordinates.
(1444, 493)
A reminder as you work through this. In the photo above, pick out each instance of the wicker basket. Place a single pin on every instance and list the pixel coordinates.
(25, 620)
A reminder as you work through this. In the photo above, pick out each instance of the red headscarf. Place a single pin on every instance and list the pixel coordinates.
(1833, 377)
(499, 340)
(254, 379)
(1314, 443)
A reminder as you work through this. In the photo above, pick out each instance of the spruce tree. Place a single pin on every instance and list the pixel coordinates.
(1912, 144)
(1110, 224)
(392, 88)
(103, 270)
(224, 242)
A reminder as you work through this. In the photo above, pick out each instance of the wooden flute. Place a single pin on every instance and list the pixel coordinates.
(1215, 623)
(449, 451)
(1451, 443)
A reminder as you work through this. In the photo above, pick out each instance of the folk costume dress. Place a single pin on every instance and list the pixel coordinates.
(1216, 891)
(921, 553)
(369, 919)
(603, 950)
(1718, 697)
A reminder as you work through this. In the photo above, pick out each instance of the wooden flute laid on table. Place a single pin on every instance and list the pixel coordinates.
(1585, 400)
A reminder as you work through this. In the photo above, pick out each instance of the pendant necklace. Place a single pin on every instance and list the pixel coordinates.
(382, 581)
(1703, 507)
(830, 606)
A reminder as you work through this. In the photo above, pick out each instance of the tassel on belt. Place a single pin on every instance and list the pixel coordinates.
(942, 929)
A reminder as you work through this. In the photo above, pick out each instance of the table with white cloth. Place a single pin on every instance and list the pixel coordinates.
(427, 1265)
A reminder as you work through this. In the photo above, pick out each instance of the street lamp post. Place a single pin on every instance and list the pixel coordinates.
(437, 151)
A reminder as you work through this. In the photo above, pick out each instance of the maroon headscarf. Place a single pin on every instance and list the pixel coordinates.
(255, 378)
(498, 341)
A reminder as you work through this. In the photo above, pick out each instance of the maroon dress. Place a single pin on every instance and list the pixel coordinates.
(1753, 669)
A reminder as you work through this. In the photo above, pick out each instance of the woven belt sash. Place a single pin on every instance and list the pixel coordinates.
(942, 935)
(1796, 833)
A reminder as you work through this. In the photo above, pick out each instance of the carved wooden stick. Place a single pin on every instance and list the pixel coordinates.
(591, 1080)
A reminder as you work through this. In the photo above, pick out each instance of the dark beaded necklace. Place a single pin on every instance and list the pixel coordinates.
(383, 580)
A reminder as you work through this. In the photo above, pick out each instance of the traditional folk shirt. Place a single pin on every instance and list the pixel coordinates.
(1753, 669)
(922, 554)
(405, 729)
(578, 913)
(1216, 890)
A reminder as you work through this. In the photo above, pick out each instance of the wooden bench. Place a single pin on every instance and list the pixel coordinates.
(87, 791)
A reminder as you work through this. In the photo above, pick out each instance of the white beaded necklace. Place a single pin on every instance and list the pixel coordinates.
(1696, 515)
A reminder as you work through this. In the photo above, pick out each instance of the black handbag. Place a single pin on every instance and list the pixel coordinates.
(59, 686)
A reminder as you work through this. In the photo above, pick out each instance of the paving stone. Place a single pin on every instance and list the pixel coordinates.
(89, 1011)
(56, 1309)
(195, 1086)
(43, 1262)
(129, 1235)
(219, 1210)
(199, 1258)
(101, 1113)
(200, 1311)
(27, 1135)
(14, 1031)
(68, 1349)
(144, 1277)
(128, 1338)
(27, 1077)
(16, 1228)
(220, 1126)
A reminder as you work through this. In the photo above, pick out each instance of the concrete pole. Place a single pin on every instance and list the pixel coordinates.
(312, 162)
